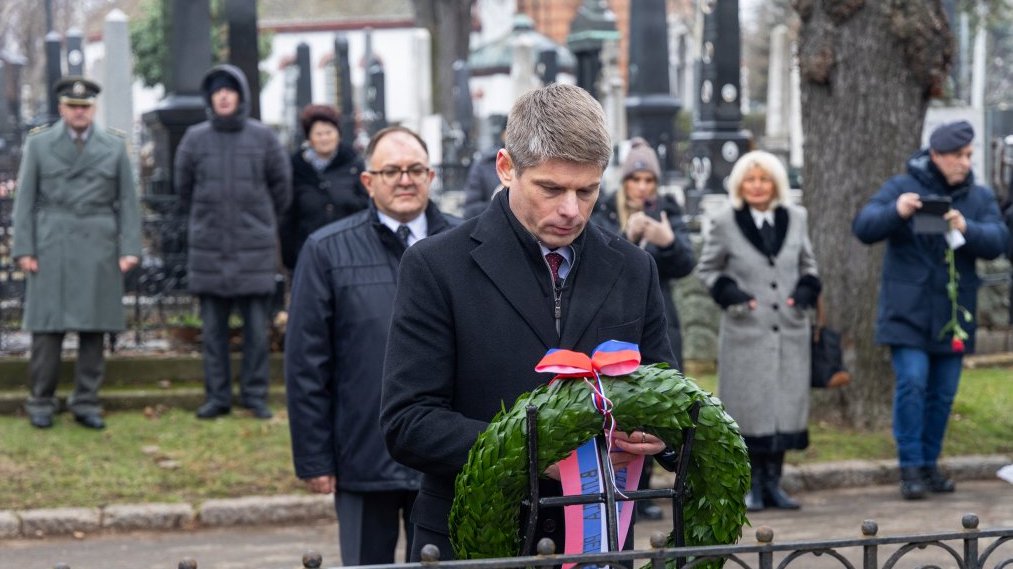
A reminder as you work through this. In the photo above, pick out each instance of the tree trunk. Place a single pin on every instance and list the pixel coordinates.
(449, 25)
(868, 72)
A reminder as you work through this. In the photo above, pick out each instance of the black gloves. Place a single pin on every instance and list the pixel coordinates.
(726, 293)
(807, 291)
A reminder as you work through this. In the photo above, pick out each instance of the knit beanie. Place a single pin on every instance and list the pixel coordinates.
(223, 80)
(641, 157)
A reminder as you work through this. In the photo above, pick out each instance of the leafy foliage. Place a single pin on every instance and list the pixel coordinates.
(484, 517)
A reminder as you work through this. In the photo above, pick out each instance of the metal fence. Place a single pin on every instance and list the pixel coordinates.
(968, 548)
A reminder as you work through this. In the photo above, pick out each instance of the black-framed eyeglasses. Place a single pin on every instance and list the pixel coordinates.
(416, 174)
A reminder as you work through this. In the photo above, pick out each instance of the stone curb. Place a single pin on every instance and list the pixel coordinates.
(259, 510)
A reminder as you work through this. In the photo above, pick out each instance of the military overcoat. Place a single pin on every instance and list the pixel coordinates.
(77, 213)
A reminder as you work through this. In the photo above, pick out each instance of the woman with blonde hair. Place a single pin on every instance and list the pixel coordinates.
(757, 261)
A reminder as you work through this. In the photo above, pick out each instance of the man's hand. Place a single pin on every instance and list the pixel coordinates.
(322, 484)
(128, 262)
(28, 264)
(907, 204)
(956, 220)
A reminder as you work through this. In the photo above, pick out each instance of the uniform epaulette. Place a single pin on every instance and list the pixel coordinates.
(38, 129)
(116, 132)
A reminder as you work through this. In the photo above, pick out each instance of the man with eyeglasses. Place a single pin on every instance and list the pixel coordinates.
(342, 297)
(77, 231)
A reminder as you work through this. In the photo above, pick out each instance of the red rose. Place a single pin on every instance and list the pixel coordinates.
(957, 344)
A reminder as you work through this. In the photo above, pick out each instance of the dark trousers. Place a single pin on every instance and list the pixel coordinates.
(44, 373)
(253, 376)
(369, 524)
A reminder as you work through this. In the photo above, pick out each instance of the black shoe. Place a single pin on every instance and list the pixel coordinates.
(211, 410)
(40, 421)
(912, 484)
(774, 497)
(260, 411)
(90, 420)
(647, 511)
(936, 481)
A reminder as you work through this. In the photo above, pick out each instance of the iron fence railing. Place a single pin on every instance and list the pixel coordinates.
(968, 548)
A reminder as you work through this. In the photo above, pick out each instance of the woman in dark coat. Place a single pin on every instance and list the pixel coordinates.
(757, 261)
(325, 181)
(652, 221)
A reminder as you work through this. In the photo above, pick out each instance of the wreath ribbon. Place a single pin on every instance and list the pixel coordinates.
(581, 471)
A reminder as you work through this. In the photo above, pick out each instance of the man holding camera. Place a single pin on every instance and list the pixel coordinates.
(935, 219)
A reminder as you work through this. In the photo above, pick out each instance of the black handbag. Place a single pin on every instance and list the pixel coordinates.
(827, 357)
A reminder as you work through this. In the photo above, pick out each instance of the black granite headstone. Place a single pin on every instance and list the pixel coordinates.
(75, 52)
(243, 46)
(650, 106)
(343, 83)
(593, 25)
(718, 139)
(303, 88)
(53, 74)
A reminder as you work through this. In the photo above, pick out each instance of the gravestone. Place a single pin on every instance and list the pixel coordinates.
(117, 80)
(343, 87)
(189, 58)
(548, 66)
(522, 69)
(75, 52)
(303, 89)
(422, 52)
(718, 139)
(375, 114)
(592, 26)
(778, 93)
(241, 16)
(53, 74)
(650, 106)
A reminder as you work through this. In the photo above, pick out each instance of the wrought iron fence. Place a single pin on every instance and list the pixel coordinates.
(968, 548)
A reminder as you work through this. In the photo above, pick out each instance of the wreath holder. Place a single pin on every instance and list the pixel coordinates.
(677, 494)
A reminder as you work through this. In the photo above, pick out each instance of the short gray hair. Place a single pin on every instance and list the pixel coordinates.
(768, 163)
(557, 122)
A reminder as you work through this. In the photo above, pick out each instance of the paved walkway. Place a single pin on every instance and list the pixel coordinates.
(825, 514)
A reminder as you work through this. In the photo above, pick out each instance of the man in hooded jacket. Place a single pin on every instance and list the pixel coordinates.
(234, 180)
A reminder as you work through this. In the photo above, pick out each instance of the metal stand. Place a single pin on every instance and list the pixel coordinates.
(677, 493)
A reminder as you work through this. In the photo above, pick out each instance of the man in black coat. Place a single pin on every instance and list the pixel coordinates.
(477, 307)
(337, 329)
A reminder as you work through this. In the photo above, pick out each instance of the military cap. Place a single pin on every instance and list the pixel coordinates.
(76, 90)
(951, 137)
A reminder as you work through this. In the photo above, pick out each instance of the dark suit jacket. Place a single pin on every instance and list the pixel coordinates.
(474, 314)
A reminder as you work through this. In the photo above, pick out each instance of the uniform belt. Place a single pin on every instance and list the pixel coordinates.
(78, 210)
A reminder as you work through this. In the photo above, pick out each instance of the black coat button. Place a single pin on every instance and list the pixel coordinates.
(775, 328)
(549, 526)
(775, 307)
(773, 284)
(771, 261)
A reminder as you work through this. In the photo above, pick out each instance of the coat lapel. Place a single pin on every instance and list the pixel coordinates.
(94, 150)
(504, 260)
(62, 146)
(748, 227)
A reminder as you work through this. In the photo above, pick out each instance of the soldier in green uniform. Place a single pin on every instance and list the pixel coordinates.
(76, 232)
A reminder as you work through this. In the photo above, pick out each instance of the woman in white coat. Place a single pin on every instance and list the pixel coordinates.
(757, 261)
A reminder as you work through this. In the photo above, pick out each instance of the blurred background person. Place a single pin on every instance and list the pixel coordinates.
(655, 223)
(483, 181)
(325, 181)
(757, 261)
(914, 303)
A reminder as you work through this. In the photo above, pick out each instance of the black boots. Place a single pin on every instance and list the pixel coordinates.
(765, 489)
(936, 481)
(754, 499)
(773, 496)
(912, 483)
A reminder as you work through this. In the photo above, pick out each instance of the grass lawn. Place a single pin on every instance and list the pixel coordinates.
(169, 456)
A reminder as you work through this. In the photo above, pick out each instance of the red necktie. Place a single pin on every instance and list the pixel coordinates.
(554, 260)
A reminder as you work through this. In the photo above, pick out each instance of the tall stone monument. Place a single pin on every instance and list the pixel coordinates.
(117, 81)
(53, 74)
(303, 89)
(718, 139)
(241, 16)
(375, 113)
(189, 25)
(778, 93)
(75, 52)
(650, 106)
(343, 87)
(591, 28)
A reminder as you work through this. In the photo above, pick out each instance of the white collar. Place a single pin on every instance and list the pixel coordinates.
(419, 226)
(760, 216)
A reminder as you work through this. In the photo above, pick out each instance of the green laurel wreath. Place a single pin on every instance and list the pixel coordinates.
(486, 509)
